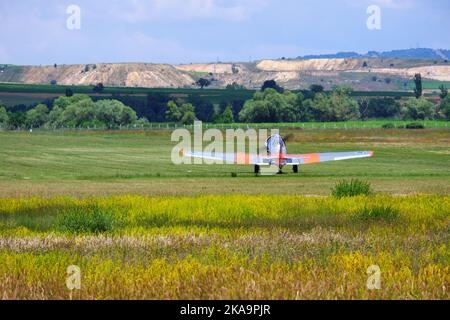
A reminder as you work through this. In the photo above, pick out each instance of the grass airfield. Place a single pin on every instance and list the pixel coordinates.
(141, 228)
(82, 164)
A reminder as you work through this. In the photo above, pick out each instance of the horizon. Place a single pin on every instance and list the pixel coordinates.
(253, 61)
(207, 31)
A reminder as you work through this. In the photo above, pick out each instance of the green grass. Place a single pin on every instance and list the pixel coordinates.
(354, 124)
(377, 213)
(430, 84)
(86, 219)
(102, 163)
(351, 188)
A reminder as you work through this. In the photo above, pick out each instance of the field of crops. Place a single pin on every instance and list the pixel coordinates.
(13, 94)
(225, 247)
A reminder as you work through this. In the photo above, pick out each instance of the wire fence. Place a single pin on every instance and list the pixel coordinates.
(430, 124)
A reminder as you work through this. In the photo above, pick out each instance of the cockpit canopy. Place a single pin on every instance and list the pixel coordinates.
(275, 145)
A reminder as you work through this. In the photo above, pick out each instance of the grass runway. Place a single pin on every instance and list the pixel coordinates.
(103, 163)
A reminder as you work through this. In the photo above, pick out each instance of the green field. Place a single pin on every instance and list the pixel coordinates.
(103, 163)
(431, 85)
(139, 227)
(13, 94)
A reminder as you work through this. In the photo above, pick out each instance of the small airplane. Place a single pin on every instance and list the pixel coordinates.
(277, 155)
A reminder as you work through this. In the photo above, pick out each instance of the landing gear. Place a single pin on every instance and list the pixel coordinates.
(280, 170)
(257, 169)
(295, 169)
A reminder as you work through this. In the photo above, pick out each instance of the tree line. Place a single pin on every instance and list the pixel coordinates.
(271, 104)
(78, 110)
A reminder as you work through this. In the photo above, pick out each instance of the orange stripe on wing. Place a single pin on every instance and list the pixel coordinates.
(311, 158)
(242, 158)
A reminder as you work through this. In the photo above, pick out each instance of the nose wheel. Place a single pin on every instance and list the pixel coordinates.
(295, 169)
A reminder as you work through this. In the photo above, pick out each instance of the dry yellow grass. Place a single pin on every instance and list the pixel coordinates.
(225, 247)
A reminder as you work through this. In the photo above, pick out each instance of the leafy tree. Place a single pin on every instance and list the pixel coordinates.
(418, 83)
(180, 111)
(114, 113)
(78, 110)
(271, 84)
(227, 115)
(255, 111)
(343, 106)
(78, 113)
(382, 108)
(37, 116)
(204, 109)
(418, 109)
(55, 117)
(98, 88)
(444, 91)
(188, 117)
(272, 106)
(142, 122)
(235, 86)
(339, 106)
(202, 83)
(69, 92)
(173, 112)
(320, 108)
(156, 106)
(316, 88)
(16, 120)
(445, 107)
(3, 116)
(63, 102)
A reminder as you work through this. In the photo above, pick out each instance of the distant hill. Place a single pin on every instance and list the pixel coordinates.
(373, 71)
(419, 53)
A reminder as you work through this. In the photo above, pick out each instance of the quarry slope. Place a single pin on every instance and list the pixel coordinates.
(292, 74)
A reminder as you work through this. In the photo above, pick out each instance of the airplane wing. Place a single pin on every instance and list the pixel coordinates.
(299, 159)
(231, 158)
(289, 159)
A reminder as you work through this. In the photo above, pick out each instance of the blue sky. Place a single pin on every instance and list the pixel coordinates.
(185, 31)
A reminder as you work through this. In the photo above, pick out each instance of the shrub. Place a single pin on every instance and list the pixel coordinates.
(415, 125)
(388, 126)
(351, 188)
(86, 219)
(384, 213)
